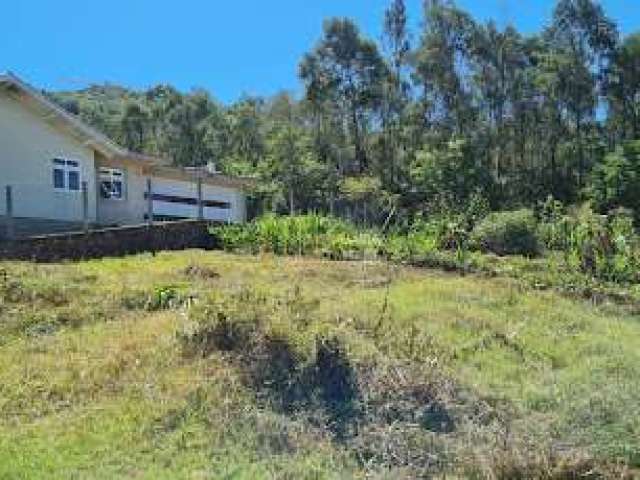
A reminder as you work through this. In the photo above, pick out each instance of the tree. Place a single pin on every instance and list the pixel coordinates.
(134, 126)
(584, 38)
(615, 182)
(397, 36)
(186, 132)
(499, 58)
(474, 107)
(396, 87)
(446, 177)
(291, 164)
(246, 149)
(160, 101)
(623, 88)
(347, 71)
(442, 66)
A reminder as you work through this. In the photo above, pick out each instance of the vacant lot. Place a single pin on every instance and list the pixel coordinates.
(210, 365)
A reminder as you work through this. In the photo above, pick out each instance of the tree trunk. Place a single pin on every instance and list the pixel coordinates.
(359, 152)
(291, 206)
(581, 163)
(553, 169)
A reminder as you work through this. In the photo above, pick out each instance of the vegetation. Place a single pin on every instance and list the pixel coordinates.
(616, 181)
(214, 365)
(302, 235)
(580, 252)
(507, 233)
(513, 160)
(418, 123)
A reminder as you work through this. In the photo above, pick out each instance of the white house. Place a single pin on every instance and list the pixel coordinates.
(48, 156)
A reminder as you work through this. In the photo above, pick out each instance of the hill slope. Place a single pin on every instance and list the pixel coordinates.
(209, 365)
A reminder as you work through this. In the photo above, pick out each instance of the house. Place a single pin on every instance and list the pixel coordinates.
(64, 174)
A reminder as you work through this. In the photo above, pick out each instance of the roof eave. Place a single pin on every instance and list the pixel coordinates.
(93, 138)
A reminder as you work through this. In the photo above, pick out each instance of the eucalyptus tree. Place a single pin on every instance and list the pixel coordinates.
(160, 101)
(499, 62)
(623, 89)
(345, 72)
(246, 143)
(548, 128)
(291, 169)
(396, 90)
(583, 39)
(442, 65)
(186, 129)
(396, 39)
(133, 126)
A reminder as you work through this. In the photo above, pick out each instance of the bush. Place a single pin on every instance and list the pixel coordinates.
(605, 247)
(554, 225)
(225, 323)
(615, 181)
(507, 233)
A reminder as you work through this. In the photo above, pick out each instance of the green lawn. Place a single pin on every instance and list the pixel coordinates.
(464, 376)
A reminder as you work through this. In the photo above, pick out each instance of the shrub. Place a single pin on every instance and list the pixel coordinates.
(225, 324)
(163, 297)
(555, 227)
(616, 180)
(507, 233)
(605, 247)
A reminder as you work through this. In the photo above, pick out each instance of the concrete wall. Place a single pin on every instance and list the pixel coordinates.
(28, 144)
(132, 208)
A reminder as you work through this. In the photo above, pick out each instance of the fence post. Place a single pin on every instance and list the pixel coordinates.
(149, 202)
(85, 207)
(200, 203)
(11, 232)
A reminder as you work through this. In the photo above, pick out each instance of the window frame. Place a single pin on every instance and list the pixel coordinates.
(66, 166)
(112, 175)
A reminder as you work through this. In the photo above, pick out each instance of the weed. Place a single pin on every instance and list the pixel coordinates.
(298, 368)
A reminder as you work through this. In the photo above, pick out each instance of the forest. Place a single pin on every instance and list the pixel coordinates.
(417, 123)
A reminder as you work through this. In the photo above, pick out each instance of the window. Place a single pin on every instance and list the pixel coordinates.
(112, 183)
(66, 175)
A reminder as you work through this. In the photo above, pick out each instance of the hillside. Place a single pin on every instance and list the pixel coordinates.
(212, 365)
(101, 106)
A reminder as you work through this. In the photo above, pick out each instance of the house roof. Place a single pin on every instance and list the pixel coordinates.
(97, 140)
(92, 137)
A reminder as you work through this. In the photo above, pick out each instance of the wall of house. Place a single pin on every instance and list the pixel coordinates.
(168, 193)
(27, 227)
(28, 145)
(131, 209)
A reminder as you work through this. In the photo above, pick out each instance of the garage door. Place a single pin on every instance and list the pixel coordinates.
(175, 200)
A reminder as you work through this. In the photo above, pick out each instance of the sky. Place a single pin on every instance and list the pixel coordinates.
(229, 47)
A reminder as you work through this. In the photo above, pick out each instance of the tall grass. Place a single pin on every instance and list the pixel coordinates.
(212, 365)
(579, 252)
(299, 235)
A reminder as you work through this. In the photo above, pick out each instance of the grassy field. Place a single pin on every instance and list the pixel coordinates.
(210, 365)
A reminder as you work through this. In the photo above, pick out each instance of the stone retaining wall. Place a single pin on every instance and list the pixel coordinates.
(111, 242)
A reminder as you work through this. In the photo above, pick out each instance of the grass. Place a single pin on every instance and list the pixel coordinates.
(431, 374)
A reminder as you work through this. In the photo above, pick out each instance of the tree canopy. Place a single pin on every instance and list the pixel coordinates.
(419, 121)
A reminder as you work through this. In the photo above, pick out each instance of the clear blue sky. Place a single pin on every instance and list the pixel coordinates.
(229, 47)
